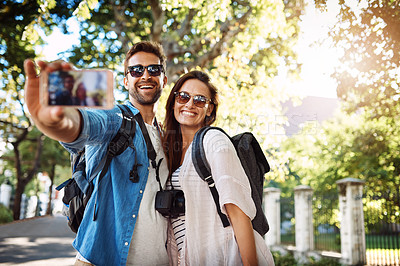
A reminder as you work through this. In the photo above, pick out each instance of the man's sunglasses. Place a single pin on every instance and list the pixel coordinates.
(138, 70)
(183, 97)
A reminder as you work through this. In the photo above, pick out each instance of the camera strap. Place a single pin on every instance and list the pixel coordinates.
(151, 153)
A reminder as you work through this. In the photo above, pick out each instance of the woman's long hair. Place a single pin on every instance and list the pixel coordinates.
(172, 140)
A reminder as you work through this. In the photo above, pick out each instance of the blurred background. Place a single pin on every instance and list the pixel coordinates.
(317, 82)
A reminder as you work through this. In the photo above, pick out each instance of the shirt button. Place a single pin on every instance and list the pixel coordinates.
(126, 243)
(134, 216)
(141, 191)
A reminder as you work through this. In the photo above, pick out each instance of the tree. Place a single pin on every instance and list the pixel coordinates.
(18, 39)
(240, 43)
(369, 34)
(193, 33)
(348, 146)
(53, 155)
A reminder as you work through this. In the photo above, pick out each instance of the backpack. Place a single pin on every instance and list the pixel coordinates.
(78, 189)
(253, 162)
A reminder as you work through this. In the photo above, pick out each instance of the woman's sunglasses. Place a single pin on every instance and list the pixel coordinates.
(198, 100)
(138, 70)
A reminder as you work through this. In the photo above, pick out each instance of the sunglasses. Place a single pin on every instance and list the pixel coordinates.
(138, 70)
(198, 100)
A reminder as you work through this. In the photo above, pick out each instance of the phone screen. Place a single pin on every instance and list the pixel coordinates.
(78, 88)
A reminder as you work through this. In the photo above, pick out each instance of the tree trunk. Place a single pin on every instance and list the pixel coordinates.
(52, 173)
(17, 200)
(23, 179)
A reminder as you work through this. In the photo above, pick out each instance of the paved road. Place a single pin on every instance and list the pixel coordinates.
(40, 241)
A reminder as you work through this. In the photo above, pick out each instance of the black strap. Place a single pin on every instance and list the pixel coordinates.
(117, 145)
(133, 173)
(203, 168)
(151, 153)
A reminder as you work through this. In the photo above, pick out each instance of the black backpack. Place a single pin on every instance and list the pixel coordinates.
(253, 162)
(78, 189)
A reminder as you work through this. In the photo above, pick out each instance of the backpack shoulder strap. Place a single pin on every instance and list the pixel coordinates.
(203, 168)
(117, 145)
(151, 152)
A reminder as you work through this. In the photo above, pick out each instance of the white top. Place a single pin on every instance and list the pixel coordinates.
(151, 226)
(207, 241)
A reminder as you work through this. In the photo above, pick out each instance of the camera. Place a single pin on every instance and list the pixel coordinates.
(170, 203)
(78, 88)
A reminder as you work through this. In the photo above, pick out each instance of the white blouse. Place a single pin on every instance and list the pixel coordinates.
(207, 242)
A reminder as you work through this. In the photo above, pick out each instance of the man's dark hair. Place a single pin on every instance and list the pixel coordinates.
(65, 74)
(148, 47)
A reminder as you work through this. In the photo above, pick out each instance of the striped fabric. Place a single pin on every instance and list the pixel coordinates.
(178, 224)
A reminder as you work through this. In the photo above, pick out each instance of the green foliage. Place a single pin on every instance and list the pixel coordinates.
(18, 40)
(324, 262)
(368, 33)
(284, 260)
(348, 146)
(5, 215)
(239, 43)
(289, 260)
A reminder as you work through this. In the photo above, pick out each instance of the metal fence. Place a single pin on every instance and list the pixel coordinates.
(382, 227)
(287, 221)
(326, 222)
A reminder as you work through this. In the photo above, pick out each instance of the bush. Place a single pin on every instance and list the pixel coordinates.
(284, 260)
(5, 214)
(325, 262)
(289, 260)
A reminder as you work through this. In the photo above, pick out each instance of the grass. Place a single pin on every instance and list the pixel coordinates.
(327, 242)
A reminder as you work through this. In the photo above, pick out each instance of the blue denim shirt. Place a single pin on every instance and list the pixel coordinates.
(106, 240)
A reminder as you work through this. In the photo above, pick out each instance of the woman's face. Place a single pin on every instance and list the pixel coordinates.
(81, 92)
(188, 114)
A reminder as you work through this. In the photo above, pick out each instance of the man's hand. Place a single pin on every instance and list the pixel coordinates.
(63, 124)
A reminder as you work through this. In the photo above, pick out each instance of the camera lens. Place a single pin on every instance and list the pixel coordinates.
(179, 202)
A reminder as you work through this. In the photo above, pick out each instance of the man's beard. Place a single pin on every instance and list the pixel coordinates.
(134, 92)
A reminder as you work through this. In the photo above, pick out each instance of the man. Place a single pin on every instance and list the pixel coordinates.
(128, 229)
(64, 97)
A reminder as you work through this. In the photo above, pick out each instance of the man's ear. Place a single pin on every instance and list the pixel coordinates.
(165, 79)
(126, 82)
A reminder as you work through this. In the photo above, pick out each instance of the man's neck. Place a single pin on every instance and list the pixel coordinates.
(147, 111)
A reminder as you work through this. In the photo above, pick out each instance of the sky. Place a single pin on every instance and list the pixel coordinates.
(317, 61)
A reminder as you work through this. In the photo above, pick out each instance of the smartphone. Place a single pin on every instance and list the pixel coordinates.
(78, 88)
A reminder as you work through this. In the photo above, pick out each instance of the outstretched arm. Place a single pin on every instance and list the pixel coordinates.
(244, 234)
(62, 124)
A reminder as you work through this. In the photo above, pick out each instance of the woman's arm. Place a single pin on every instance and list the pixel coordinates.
(243, 230)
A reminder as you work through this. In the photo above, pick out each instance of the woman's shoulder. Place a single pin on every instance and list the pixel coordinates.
(215, 134)
(216, 140)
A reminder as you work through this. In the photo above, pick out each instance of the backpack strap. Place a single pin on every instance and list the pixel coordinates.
(203, 168)
(121, 141)
(151, 153)
(117, 145)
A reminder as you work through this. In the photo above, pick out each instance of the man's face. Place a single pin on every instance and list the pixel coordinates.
(144, 90)
(68, 83)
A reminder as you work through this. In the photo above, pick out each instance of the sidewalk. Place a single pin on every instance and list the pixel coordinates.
(44, 240)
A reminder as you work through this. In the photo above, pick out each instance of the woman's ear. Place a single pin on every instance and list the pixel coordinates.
(210, 108)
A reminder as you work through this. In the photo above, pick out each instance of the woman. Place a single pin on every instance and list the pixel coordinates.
(81, 98)
(198, 237)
